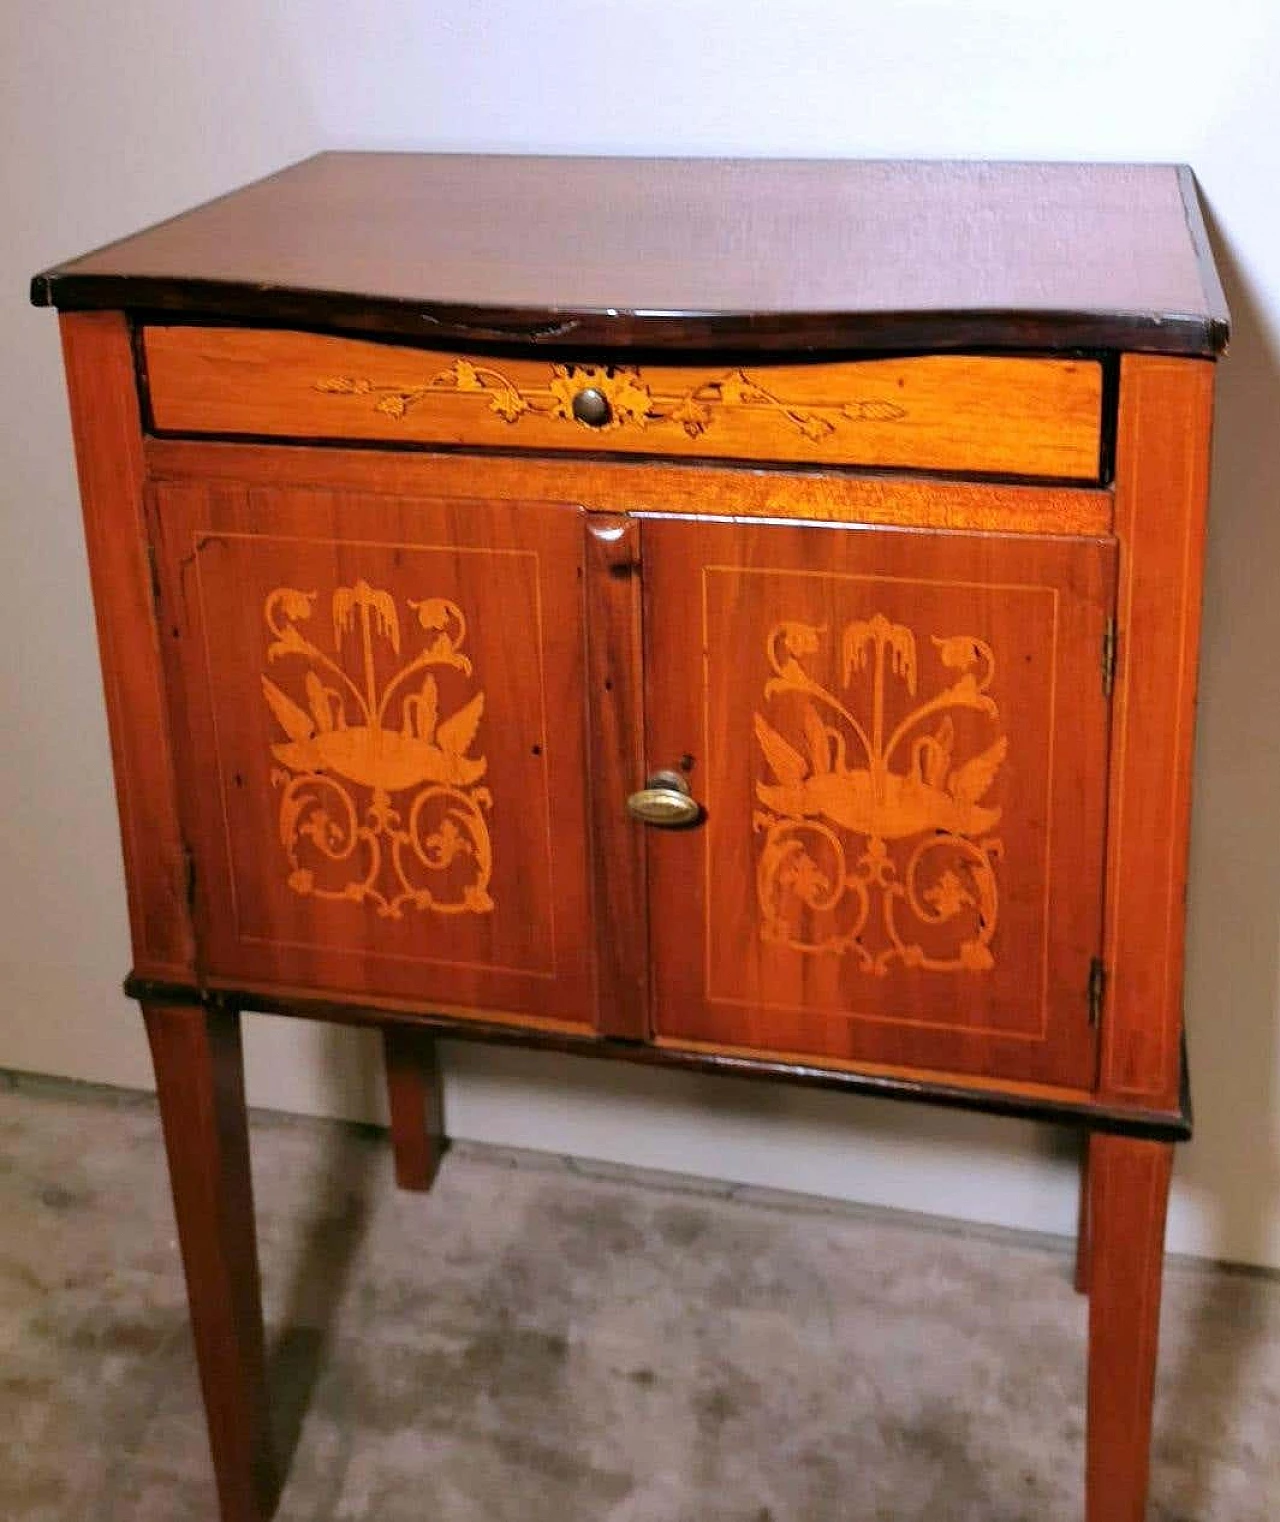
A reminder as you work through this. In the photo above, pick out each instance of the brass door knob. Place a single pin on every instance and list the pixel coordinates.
(665, 800)
(591, 407)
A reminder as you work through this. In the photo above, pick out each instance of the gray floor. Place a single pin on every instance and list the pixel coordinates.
(534, 1342)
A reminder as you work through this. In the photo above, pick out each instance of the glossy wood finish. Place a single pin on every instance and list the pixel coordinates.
(1128, 1198)
(384, 698)
(415, 1096)
(616, 729)
(618, 486)
(772, 255)
(104, 412)
(900, 744)
(200, 1086)
(999, 415)
(1162, 466)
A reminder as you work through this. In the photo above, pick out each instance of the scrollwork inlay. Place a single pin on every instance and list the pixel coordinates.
(875, 839)
(381, 801)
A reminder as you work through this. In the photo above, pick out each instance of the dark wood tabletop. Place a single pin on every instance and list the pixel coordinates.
(758, 255)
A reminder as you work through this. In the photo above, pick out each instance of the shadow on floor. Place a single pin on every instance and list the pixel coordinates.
(329, 1244)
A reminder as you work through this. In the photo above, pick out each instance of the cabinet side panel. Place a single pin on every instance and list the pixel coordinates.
(108, 441)
(1161, 489)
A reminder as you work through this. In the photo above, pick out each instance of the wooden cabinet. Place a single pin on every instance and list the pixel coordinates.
(436, 583)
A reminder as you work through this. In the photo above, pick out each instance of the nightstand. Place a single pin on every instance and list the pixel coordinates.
(719, 615)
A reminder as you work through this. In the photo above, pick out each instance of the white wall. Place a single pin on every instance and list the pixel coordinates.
(112, 116)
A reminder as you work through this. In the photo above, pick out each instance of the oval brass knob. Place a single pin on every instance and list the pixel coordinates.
(665, 800)
(591, 407)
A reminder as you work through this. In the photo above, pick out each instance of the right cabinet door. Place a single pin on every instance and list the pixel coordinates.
(900, 742)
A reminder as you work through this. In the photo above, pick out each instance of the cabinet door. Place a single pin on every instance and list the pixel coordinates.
(381, 742)
(899, 739)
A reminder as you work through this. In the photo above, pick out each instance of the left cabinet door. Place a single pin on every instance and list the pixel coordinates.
(380, 742)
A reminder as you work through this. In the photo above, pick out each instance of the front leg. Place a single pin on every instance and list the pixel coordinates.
(200, 1084)
(1128, 1199)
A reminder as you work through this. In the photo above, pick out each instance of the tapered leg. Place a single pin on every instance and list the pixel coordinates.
(200, 1081)
(1082, 1230)
(1128, 1199)
(415, 1094)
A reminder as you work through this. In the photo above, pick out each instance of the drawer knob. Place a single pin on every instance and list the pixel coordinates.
(665, 800)
(591, 407)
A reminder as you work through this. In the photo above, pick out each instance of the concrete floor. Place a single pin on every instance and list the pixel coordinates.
(539, 1342)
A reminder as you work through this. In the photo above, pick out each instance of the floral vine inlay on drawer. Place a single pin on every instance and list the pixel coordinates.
(627, 399)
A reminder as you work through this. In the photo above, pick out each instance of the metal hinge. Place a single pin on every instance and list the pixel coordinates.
(1097, 989)
(1109, 657)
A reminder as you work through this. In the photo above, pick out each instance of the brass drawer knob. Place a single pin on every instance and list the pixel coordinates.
(591, 407)
(665, 800)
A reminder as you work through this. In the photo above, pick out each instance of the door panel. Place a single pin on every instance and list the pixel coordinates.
(899, 740)
(391, 693)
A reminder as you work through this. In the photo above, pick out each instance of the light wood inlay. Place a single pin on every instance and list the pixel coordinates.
(380, 796)
(849, 774)
(1017, 416)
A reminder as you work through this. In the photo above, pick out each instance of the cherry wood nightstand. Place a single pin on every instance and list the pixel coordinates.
(721, 615)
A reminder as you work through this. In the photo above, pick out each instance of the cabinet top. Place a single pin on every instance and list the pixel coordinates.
(689, 254)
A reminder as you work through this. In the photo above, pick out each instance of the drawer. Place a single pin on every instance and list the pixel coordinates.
(989, 414)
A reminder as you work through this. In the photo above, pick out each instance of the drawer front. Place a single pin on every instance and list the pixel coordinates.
(952, 412)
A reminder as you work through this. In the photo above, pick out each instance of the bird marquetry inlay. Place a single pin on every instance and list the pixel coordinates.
(381, 801)
(876, 839)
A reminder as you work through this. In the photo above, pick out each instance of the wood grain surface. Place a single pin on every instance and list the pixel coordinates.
(999, 415)
(200, 1086)
(900, 743)
(1162, 467)
(615, 693)
(620, 486)
(696, 253)
(379, 704)
(108, 439)
(1128, 1200)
